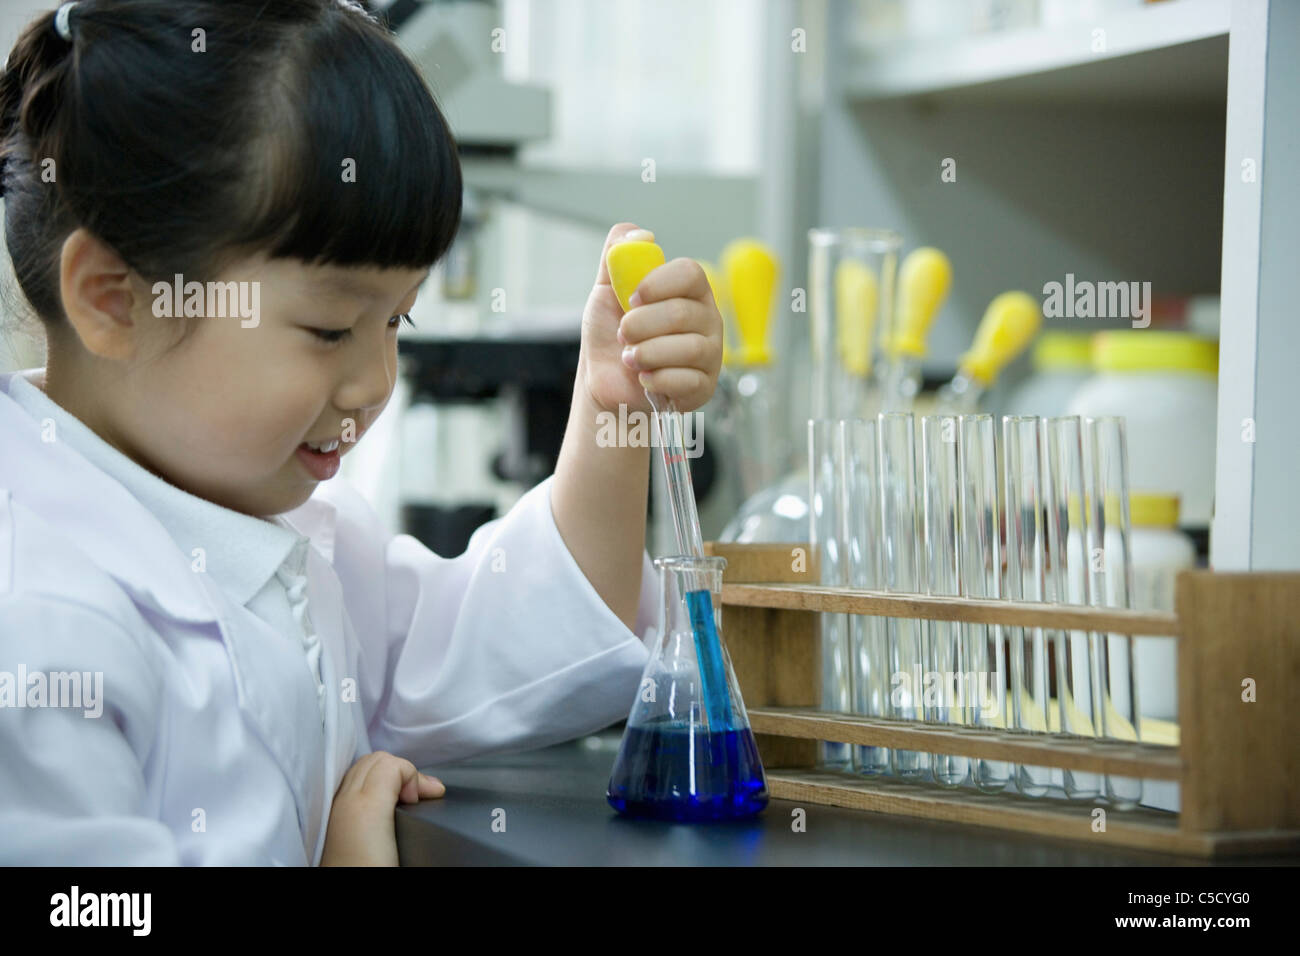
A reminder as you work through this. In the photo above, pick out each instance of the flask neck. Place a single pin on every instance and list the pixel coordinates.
(683, 577)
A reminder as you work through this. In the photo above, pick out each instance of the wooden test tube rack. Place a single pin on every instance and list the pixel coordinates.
(1237, 762)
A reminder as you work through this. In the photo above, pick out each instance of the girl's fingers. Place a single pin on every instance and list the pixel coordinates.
(665, 318)
(382, 775)
(431, 787)
(678, 278)
(688, 350)
(687, 385)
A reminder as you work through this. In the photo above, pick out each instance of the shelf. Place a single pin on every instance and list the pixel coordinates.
(1170, 53)
(809, 597)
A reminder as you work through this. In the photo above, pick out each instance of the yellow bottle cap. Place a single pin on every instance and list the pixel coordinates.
(1062, 351)
(1145, 350)
(1152, 510)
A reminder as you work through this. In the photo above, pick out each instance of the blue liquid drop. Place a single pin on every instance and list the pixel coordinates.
(657, 764)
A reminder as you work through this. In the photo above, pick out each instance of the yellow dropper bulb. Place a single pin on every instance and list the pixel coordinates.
(1010, 323)
(750, 270)
(628, 263)
(721, 298)
(923, 282)
(856, 298)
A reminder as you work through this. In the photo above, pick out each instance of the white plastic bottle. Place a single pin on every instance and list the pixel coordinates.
(1159, 552)
(1062, 362)
(1165, 386)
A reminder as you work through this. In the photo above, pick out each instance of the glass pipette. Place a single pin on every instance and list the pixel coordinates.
(628, 263)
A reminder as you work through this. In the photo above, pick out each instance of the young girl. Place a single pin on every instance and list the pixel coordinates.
(209, 651)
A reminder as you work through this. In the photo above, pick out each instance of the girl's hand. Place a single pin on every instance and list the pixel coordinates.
(674, 334)
(361, 828)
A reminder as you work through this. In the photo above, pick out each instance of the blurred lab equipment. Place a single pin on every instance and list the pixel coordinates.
(1160, 551)
(1067, 583)
(869, 676)
(1111, 585)
(485, 423)
(1009, 324)
(1061, 362)
(941, 513)
(924, 279)
(851, 289)
(980, 563)
(1025, 580)
(1165, 386)
(903, 571)
(674, 762)
(749, 275)
(826, 523)
(851, 279)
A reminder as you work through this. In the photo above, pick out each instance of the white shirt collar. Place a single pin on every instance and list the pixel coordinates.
(240, 552)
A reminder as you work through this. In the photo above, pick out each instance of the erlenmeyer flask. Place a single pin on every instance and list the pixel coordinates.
(673, 764)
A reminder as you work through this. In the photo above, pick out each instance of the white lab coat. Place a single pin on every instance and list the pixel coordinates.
(210, 747)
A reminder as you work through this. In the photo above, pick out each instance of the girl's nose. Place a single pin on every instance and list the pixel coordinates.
(370, 381)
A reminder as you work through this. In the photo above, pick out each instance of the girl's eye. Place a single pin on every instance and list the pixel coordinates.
(331, 336)
(397, 320)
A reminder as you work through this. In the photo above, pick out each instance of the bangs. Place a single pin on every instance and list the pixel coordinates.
(360, 167)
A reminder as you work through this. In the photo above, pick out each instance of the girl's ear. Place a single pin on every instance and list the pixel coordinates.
(95, 284)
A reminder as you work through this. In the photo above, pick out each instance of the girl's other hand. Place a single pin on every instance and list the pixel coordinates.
(361, 829)
(669, 342)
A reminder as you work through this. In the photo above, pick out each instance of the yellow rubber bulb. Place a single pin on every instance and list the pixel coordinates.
(720, 297)
(628, 263)
(750, 271)
(923, 282)
(856, 299)
(1010, 323)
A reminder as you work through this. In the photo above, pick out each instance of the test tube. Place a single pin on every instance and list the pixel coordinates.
(1067, 583)
(1112, 586)
(980, 562)
(945, 686)
(906, 637)
(850, 300)
(825, 525)
(868, 649)
(1026, 550)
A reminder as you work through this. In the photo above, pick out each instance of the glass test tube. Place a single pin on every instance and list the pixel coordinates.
(899, 562)
(945, 685)
(1112, 586)
(980, 562)
(1067, 583)
(1026, 550)
(868, 648)
(850, 302)
(825, 525)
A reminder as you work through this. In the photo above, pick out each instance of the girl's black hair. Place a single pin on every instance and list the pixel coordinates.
(188, 133)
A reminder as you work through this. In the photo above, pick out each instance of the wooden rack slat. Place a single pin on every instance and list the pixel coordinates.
(1144, 829)
(1048, 750)
(807, 597)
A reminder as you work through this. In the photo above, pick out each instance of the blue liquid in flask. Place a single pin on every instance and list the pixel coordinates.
(688, 754)
(678, 770)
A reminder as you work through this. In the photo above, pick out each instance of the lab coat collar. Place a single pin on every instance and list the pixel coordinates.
(85, 479)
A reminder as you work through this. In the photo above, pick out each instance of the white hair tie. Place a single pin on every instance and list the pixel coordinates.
(61, 20)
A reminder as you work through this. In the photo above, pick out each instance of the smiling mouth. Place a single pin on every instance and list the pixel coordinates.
(323, 447)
